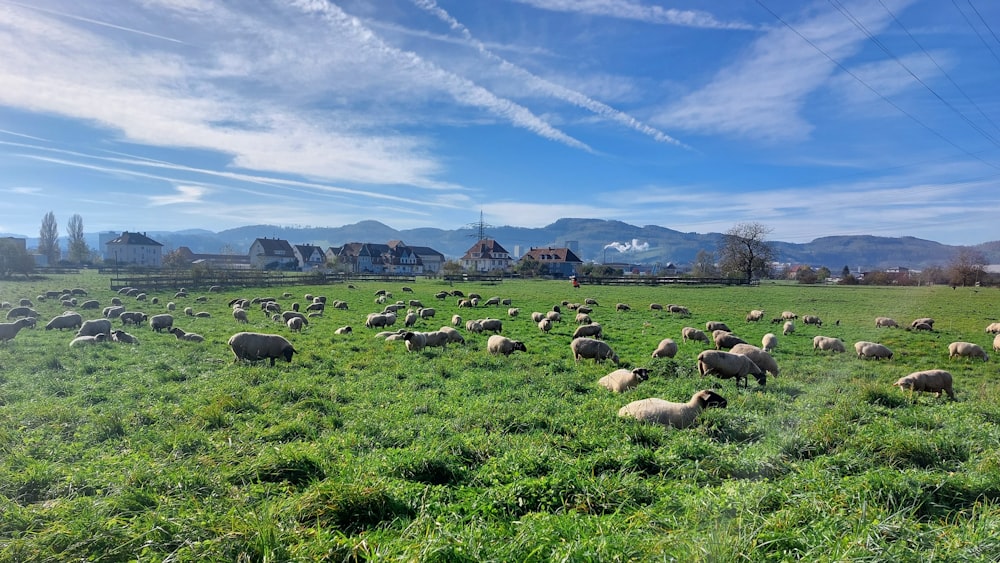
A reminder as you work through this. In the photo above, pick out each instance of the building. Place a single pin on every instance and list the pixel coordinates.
(431, 260)
(310, 257)
(134, 249)
(103, 239)
(558, 261)
(486, 256)
(273, 254)
(394, 257)
(225, 261)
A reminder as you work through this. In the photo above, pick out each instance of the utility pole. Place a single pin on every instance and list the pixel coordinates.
(480, 227)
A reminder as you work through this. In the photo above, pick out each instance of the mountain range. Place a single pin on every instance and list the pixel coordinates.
(596, 240)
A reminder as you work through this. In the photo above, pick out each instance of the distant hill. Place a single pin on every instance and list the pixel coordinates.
(597, 240)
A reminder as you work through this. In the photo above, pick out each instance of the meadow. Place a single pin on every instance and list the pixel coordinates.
(358, 450)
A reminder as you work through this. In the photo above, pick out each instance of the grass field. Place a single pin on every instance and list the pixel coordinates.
(358, 450)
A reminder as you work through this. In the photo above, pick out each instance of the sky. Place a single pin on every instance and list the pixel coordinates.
(834, 117)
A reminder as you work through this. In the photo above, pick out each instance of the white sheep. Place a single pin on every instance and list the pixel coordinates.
(240, 315)
(667, 348)
(755, 315)
(426, 312)
(724, 339)
(885, 322)
(679, 309)
(123, 337)
(812, 320)
(554, 316)
(94, 327)
(186, 336)
(788, 316)
(993, 328)
(592, 330)
(18, 312)
(255, 346)
(415, 341)
(513, 312)
(763, 360)
(828, 343)
(966, 350)
(537, 316)
(996, 343)
(9, 330)
(436, 338)
(456, 320)
(622, 380)
(872, 350)
(492, 325)
(727, 365)
(374, 320)
(160, 322)
(691, 333)
(788, 328)
(582, 319)
(769, 342)
(712, 326)
(677, 415)
(930, 381)
(88, 339)
(473, 326)
(502, 345)
(622, 307)
(544, 325)
(453, 335)
(590, 348)
(923, 320)
(294, 324)
(410, 319)
(343, 330)
(69, 319)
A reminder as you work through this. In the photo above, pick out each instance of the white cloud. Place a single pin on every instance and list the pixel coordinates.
(628, 9)
(184, 194)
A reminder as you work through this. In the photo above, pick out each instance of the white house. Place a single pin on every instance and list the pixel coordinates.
(135, 248)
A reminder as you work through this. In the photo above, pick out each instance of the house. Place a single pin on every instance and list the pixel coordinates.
(486, 256)
(310, 257)
(392, 258)
(559, 261)
(136, 249)
(226, 261)
(273, 254)
(430, 259)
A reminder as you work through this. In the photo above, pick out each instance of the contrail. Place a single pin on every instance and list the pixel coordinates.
(555, 90)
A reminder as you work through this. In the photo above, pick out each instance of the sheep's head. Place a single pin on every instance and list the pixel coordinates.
(709, 399)
(287, 352)
(642, 374)
(761, 378)
(519, 346)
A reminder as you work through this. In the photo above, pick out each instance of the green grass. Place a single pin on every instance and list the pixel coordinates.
(357, 450)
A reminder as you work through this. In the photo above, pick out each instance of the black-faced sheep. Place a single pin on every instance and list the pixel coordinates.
(554, 316)
(655, 307)
(426, 312)
(255, 346)
(966, 350)
(929, 381)
(544, 325)
(343, 330)
(295, 324)
(763, 360)
(592, 349)
(18, 312)
(788, 316)
(161, 322)
(240, 315)
(473, 326)
(679, 309)
(872, 350)
(923, 320)
(730, 366)
(492, 325)
(537, 316)
(502, 345)
(678, 415)
(622, 380)
(132, 317)
(622, 307)
(513, 312)
(410, 319)
(415, 341)
(456, 320)
(667, 348)
(113, 312)
(828, 344)
(993, 328)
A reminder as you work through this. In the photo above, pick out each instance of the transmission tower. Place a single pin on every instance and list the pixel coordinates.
(480, 227)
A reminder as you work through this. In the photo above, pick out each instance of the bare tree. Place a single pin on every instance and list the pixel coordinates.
(744, 251)
(967, 267)
(48, 238)
(77, 248)
(704, 265)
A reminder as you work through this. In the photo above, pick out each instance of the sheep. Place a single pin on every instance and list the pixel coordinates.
(287, 315)
(677, 415)
(123, 337)
(464, 304)
(622, 307)
(415, 303)
(966, 350)
(457, 293)
(410, 319)
(788, 328)
(885, 322)
(755, 316)
(186, 336)
(343, 330)
(78, 291)
(828, 343)
(993, 328)
(9, 330)
(812, 320)
(680, 310)
(872, 350)
(294, 324)
(254, 346)
(473, 326)
(622, 380)
(189, 311)
(923, 320)
(340, 305)
(655, 307)
(426, 312)
(415, 341)
(996, 343)
(203, 314)
(160, 322)
(582, 318)
(584, 310)
(89, 339)
(726, 340)
(537, 316)
(18, 312)
(95, 327)
(667, 348)
(788, 316)
(495, 300)
(591, 348)
(769, 342)
(171, 306)
(456, 320)
(691, 333)
(554, 316)
(441, 295)
(513, 312)
(240, 315)
(316, 307)
(544, 325)
(502, 345)
(68, 319)
(931, 381)
(90, 304)
(112, 312)
(592, 330)
(493, 325)
(453, 335)
(763, 360)
(507, 301)
(25, 303)
(727, 365)
(132, 317)
(712, 326)
(140, 297)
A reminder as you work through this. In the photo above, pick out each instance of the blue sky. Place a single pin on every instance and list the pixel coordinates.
(826, 118)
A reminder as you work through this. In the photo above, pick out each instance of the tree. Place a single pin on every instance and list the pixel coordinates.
(77, 247)
(173, 260)
(14, 259)
(452, 268)
(806, 275)
(704, 265)
(967, 268)
(823, 274)
(845, 272)
(48, 238)
(743, 251)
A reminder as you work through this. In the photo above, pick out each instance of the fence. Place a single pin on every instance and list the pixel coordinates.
(174, 280)
(652, 280)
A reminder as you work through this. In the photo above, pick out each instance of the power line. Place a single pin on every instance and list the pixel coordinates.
(980, 35)
(980, 16)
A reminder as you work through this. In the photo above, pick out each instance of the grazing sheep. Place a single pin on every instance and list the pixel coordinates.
(872, 350)
(712, 326)
(788, 328)
(885, 322)
(585, 310)
(554, 316)
(492, 325)
(171, 306)
(453, 335)
(123, 337)
(160, 322)
(622, 380)
(456, 320)
(502, 345)
(677, 415)
(203, 314)
(68, 319)
(112, 312)
(812, 320)
(507, 301)
(132, 317)
(691, 333)
(996, 343)
(343, 330)
(410, 319)
(240, 315)
(25, 303)
(189, 311)
(441, 295)
(788, 316)
(90, 304)
(993, 328)
(426, 312)
(319, 307)
(591, 301)
(769, 342)
(436, 338)
(727, 365)
(296, 315)
(655, 307)
(495, 300)
(667, 348)
(415, 303)
(513, 312)
(473, 326)
(590, 348)
(930, 381)
(763, 360)
(89, 339)
(255, 346)
(828, 343)
(582, 318)
(622, 307)
(544, 325)
(537, 316)
(592, 330)
(415, 341)
(294, 324)
(679, 309)
(755, 316)
(78, 291)
(966, 350)
(9, 330)
(340, 305)
(726, 340)
(95, 327)
(375, 320)
(464, 304)
(923, 320)
(186, 336)
(18, 312)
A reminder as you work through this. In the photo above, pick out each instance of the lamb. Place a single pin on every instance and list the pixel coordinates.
(885, 322)
(453, 335)
(931, 381)
(9, 330)
(712, 326)
(993, 328)
(294, 324)
(502, 345)
(160, 322)
(872, 350)
(582, 318)
(89, 339)
(493, 325)
(691, 333)
(667, 348)
(592, 330)
(186, 336)
(513, 312)
(415, 341)
(254, 346)
(769, 342)
(240, 315)
(123, 337)
(622, 380)
(763, 360)
(726, 340)
(966, 350)
(544, 325)
(677, 415)
(828, 343)
(590, 348)
(68, 319)
(755, 316)
(343, 330)
(788, 328)
(727, 365)
(812, 320)
(95, 327)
